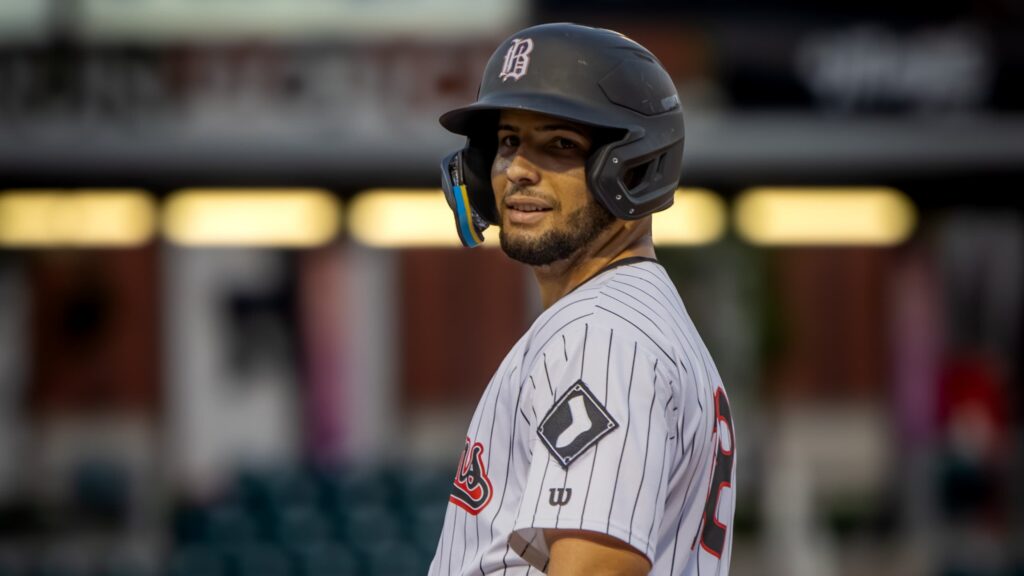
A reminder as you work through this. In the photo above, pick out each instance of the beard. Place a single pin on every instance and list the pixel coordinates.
(582, 227)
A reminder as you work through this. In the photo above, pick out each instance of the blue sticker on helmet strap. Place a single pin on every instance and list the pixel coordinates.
(465, 217)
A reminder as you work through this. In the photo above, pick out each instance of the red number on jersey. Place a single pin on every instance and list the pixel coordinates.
(712, 537)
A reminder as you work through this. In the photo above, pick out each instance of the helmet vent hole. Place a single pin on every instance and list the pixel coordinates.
(656, 172)
(639, 177)
(635, 176)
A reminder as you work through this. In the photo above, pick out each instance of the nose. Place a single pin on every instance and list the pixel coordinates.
(521, 170)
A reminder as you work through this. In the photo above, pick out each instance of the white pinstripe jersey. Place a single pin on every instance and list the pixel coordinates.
(608, 415)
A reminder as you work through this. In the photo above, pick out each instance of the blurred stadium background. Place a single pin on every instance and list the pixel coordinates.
(236, 338)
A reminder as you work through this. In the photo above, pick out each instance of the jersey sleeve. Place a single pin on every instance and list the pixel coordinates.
(600, 440)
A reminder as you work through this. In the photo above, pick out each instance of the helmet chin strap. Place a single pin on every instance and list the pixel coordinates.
(464, 219)
(468, 223)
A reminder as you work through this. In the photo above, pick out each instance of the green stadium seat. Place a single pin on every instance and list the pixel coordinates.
(229, 524)
(300, 523)
(368, 524)
(260, 560)
(197, 560)
(395, 559)
(326, 559)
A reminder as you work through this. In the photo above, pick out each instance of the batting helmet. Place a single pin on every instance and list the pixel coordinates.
(592, 76)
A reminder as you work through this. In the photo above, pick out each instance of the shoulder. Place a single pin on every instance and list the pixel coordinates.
(644, 289)
(640, 303)
(623, 306)
(573, 313)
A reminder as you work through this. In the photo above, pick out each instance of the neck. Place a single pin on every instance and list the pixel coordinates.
(628, 240)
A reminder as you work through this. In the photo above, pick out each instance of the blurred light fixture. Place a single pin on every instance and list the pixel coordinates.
(405, 218)
(696, 217)
(833, 216)
(81, 218)
(272, 218)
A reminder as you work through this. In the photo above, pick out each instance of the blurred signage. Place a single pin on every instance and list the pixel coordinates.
(865, 66)
(382, 96)
(155, 21)
(872, 67)
(833, 11)
(850, 56)
(23, 20)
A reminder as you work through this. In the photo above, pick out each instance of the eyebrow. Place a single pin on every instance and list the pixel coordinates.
(547, 128)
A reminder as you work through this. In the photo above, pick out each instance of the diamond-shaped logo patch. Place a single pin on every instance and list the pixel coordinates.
(575, 423)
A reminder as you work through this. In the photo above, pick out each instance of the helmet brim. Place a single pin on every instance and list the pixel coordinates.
(467, 119)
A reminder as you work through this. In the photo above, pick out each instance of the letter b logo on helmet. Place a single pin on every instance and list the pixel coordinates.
(517, 59)
(587, 75)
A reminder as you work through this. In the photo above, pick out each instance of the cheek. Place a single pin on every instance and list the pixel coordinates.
(498, 169)
(573, 189)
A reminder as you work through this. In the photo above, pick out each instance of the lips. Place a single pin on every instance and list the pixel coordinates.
(525, 209)
(526, 203)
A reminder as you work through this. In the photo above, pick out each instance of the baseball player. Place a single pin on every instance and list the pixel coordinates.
(604, 442)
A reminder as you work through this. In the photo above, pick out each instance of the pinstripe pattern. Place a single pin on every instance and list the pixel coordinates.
(626, 334)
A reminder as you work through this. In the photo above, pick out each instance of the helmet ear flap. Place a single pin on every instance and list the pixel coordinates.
(477, 161)
(639, 185)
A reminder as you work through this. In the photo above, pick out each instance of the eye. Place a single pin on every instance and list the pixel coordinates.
(569, 145)
(508, 140)
(565, 144)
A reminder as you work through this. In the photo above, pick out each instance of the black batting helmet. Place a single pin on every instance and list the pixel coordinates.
(587, 75)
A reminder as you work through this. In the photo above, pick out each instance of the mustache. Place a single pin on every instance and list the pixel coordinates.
(527, 192)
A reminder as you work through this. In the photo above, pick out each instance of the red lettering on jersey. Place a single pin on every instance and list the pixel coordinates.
(471, 489)
(712, 536)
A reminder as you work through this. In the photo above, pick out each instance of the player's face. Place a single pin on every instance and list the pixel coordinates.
(539, 178)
